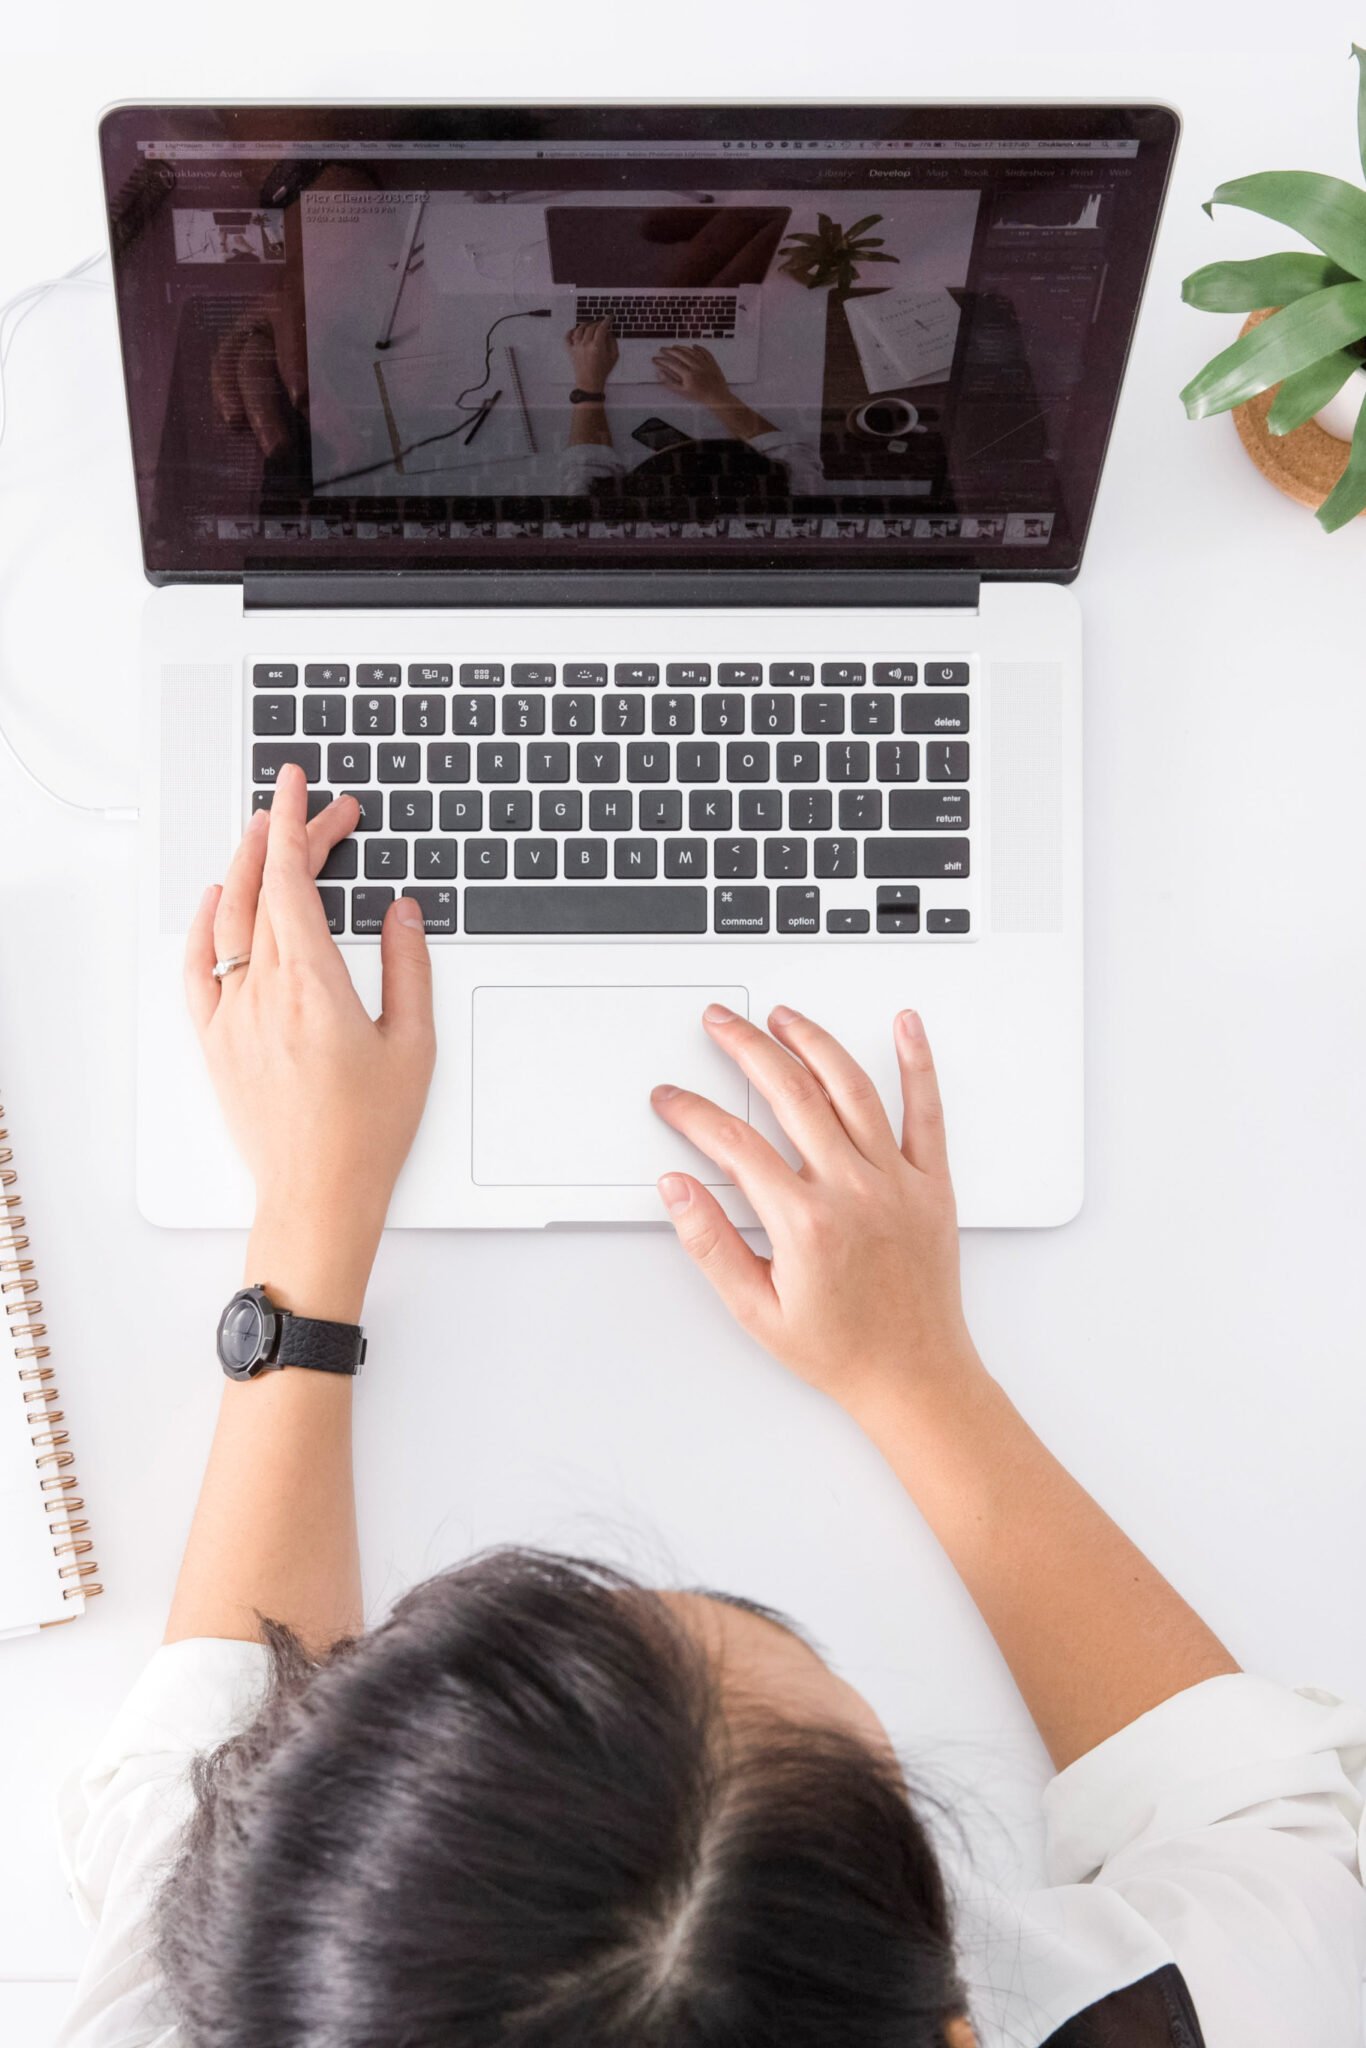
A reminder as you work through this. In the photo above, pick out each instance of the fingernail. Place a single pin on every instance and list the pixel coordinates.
(664, 1092)
(259, 819)
(208, 893)
(407, 911)
(717, 1013)
(675, 1192)
(910, 1023)
(782, 1015)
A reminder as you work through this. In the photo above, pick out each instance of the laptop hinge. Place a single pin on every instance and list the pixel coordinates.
(571, 589)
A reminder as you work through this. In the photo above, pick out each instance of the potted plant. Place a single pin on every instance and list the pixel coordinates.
(833, 254)
(1312, 340)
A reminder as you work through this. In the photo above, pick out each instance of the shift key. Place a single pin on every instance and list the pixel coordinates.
(918, 860)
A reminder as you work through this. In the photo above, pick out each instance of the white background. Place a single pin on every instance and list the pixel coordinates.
(1191, 1345)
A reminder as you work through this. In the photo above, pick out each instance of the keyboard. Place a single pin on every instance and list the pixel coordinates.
(568, 799)
(662, 316)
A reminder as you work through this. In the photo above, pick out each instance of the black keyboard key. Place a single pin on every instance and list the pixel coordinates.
(723, 714)
(371, 803)
(610, 910)
(944, 922)
(610, 810)
(898, 910)
(809, 810)
(698, 761)
(919, 860)
(398, 763)
(773, 714)
(946, 675)
(636, 675)
(585, 675)
(378, 675)
(623, 714)
(928, 810)
(784, 859)
(341, 863)
(472, 715)
(368, 907)
(896, 675)
(324, 714)
(934, 714)
(799, 761)
(373, 714)
(861, 810)
(535, 860)
(875, 712)
(898, 761)
(846, 761)
(791, 675)
(673, 714)
(547, 761)
(462, 810)
(438, 910)
(585, 859)
(386, 860)
(274, 717)
(687, 675)
(424, 715)
(836, 860)
(533, 675)
(748, 761)
(560, 810)
(276, 675)
(741, 910)
(946, 761)
(736, 860)
(647, 761)
(709, 810)
(268, 760)
(597, 761)
(486, 860)
(410, 810)
(740, 675)
(334, 908)
(846, 920)
(685, 860)
(799, 910)
(822, 714)
(573, 714)
(481, 675)
(429, 675)
(843, 675)
(498, 761)
(761, 810)
(327, 675)
(509, 810)
(434, 860)
(448, 763)
(635, 860)
(661, 810)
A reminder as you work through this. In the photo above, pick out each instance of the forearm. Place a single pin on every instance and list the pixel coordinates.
(740, 421)
(588, 426)
(1093, 1634)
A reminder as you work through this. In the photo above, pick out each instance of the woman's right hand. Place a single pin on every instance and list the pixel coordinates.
(861, 1296)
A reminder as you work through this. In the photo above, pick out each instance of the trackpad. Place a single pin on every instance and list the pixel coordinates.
(562, 1080)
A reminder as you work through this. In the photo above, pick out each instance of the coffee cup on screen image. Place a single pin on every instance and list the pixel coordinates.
(884, 419)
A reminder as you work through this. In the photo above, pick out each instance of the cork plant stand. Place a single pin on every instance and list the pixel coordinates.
(1307, 464)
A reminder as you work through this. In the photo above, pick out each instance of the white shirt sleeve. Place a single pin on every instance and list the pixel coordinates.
(121, 1820)
(587, 463)
(801, 458)
(1230, 1819)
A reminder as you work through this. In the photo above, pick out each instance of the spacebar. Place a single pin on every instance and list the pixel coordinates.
(567, 908)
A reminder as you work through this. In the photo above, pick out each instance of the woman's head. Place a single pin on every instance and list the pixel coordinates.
(544, 1808)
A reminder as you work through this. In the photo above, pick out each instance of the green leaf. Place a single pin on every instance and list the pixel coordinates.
(1348, 496)
(877, 257)
(870, 220)
(1267, 281)
(1290, 340)
(1360, 56)
(1328, 212)
(1308, 391)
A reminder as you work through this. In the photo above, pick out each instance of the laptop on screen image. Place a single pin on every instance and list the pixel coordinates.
(659, 518)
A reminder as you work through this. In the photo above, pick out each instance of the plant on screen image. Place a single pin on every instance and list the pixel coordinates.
(1314, 342)
(833, 254)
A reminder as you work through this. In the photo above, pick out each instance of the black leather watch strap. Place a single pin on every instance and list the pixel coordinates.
(323, 1347)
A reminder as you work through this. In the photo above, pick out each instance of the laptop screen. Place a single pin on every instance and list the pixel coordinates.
(688, 337)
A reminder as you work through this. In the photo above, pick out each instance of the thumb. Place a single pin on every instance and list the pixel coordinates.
(406, 968)
(711, 1240)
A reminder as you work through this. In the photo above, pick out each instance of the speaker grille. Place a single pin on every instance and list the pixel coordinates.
(197, 807)
(1026, 797)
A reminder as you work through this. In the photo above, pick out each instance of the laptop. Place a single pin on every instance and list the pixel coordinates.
(680, 694)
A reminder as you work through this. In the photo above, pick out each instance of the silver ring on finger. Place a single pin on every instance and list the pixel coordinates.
(223, 968)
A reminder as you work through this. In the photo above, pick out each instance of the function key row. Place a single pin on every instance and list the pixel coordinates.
(593, 675)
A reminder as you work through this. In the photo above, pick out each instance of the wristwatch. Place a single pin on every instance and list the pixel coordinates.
(577, 397)
(255, 1336)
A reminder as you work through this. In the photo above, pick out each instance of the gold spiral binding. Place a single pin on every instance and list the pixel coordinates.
(21, 1297)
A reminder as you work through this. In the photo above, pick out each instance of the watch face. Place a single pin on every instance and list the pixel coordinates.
(241, 1334)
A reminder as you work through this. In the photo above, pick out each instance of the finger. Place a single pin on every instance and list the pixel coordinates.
(406, 967)
(235, 915)
(743, 1280)
(288, 892)
(922, 1130)
(789, 1087)
(852, 1094)
(201, 990)
(738, 1149)
(332, 824)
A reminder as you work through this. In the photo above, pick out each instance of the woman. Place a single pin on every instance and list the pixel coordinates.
(543, 1807)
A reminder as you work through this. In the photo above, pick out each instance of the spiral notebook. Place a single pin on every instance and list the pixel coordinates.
(47, 1560)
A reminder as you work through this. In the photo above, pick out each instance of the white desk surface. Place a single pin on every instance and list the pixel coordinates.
(1191, 1345)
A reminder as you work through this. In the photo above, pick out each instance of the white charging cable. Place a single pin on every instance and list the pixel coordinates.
(13, 314)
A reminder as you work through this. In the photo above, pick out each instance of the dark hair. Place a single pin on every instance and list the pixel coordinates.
(521, 1813)
(701, 476)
